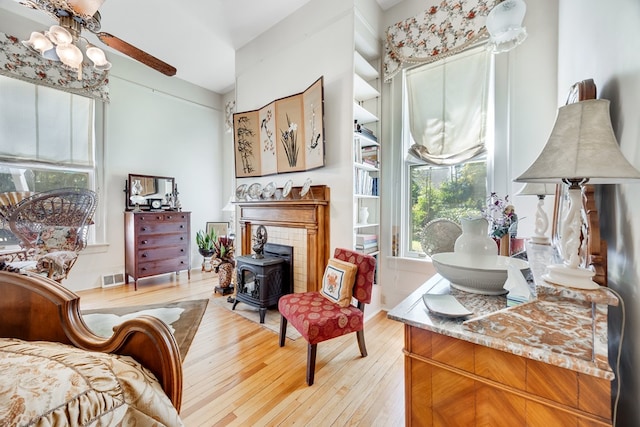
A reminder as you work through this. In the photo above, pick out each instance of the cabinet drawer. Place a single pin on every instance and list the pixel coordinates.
(162, 216)
(154, 240)
(161, 227)
(152, 268)
(164, 252)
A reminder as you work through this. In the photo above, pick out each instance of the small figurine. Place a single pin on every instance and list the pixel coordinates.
(259, 241)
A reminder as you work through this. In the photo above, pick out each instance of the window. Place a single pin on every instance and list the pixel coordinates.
(446, 106)
(46, 138)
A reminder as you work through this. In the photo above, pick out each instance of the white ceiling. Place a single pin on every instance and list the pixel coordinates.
(198, 37)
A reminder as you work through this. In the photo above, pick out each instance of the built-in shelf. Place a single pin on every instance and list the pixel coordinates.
(365, 166)
(364, 140)
(363, 68)
(363, 91)
(362, 115)
(365, 225)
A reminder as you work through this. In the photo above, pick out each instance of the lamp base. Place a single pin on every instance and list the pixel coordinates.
(540, 240)
(579, 278)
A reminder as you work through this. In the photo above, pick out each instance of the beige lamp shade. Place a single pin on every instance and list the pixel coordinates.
(582, 146)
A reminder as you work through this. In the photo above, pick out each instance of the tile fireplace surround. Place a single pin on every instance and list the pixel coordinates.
(301, 222)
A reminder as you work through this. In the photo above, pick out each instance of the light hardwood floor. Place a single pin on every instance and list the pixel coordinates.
(235, 373)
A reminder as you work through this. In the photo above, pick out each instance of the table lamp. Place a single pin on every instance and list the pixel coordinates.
(581, 148)
(542, 219)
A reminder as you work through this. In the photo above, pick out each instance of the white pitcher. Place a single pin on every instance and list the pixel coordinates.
(475, 238)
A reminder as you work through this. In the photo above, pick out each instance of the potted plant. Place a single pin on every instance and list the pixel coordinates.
(206, 242)
(224, 261)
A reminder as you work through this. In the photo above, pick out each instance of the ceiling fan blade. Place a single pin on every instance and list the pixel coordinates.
(85, 7)
(137, 54)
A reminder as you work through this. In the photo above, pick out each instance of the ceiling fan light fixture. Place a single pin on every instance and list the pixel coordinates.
(98, 57)
(51, 55)
(71, 56)
(38, 42)
(504, 24)
(59, 35)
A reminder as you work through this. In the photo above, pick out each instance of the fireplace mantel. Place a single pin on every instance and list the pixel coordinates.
(310, 212)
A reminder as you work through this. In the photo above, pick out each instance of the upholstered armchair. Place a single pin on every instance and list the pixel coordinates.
(52, 227)
(319, 318)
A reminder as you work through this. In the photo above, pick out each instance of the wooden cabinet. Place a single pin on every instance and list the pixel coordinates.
(457, 383)
(156, 243)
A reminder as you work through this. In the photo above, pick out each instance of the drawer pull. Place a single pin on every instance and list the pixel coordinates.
(182, 250)
(144, 242)
(169, 217)
(181, 225)
(144, 255)
(145, 228)
(144, 269)
(181, 237)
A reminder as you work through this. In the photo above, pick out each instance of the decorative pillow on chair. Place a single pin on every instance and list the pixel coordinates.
(338, 280)
(57, 238)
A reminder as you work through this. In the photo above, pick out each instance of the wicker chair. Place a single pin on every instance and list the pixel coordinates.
(52, 227)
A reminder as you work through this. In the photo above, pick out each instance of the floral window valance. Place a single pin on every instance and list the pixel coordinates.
(19, 62)
(442, 30)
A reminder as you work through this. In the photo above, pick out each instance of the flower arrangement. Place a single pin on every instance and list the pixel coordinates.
(501, 216)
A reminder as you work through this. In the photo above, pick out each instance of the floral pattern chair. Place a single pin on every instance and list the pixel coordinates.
(52, 227)
(318, 319)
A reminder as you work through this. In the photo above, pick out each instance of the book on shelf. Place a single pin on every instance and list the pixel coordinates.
(363, 183)
(368, 250)
(366, 238)
(369, 155)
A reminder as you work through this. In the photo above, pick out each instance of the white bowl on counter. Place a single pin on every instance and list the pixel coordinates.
(479, 274)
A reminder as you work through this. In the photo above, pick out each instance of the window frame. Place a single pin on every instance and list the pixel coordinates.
(407, 161)
(97, 233)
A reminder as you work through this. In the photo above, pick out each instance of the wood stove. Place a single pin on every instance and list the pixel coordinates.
(262, 281)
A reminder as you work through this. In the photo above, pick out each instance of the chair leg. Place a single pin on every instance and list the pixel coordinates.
(361, 344)
(311, 362)
(283, 330)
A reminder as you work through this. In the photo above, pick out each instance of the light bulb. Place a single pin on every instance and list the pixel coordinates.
(98, 57)
(71, 56)
(38, 42)
(59, 35)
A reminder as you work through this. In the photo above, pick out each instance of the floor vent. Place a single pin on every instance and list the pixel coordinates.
(109, 280)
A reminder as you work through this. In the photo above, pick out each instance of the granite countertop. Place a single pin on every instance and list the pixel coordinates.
(560, 326)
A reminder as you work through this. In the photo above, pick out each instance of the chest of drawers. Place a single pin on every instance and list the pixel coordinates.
(156, 243)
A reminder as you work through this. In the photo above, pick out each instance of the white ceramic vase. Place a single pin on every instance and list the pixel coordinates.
(475, 238)
(363, 215)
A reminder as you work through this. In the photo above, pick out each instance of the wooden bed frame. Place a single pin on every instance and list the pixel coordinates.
(34, 308)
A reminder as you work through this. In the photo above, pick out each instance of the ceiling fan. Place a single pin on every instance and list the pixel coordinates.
(76, 15)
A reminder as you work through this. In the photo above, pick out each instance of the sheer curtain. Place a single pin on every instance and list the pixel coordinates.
(447, 103)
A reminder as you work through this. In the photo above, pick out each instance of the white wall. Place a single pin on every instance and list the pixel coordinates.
(154, 125)
(603, 43)
(317, 40)
(526, 95)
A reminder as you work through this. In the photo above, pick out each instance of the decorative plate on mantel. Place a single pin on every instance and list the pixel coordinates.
(241, 192)
(269, 190)
(306, 187)
(287, 188)
(255, 190)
